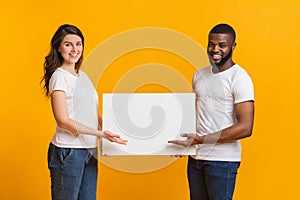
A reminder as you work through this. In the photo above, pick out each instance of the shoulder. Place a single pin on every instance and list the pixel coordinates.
(239, 71)
(58, 73)
(59, 81)
(242, 85)
(236, 74)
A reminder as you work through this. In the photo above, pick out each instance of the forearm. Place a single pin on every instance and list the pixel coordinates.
(76, 128)
(244, 113)
(61, 115)
(235, 132)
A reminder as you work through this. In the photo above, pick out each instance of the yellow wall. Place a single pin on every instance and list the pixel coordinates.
(268, 48)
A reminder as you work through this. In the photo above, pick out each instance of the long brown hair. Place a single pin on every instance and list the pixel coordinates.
(54, 59)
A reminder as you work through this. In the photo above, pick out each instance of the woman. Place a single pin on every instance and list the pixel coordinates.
(72, 158)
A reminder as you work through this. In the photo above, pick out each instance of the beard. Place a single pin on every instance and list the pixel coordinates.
(223, 60)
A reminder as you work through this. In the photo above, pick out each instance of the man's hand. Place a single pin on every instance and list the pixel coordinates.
(191, 139)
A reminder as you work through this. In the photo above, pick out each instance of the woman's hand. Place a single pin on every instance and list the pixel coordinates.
(112, 137)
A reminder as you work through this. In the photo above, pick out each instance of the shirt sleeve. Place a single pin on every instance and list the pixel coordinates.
(243, 89)
(58, 82)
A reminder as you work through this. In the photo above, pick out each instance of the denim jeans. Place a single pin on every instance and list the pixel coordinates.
(73, 173)
(211, 180)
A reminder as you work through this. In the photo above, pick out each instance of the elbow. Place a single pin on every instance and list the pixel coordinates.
(68, 125)
(247, 132)
(62, 123)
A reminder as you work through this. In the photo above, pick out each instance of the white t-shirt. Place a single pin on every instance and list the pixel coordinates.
(82, 103)
(216, 95)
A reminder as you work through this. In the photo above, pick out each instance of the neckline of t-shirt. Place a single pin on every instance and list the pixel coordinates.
(225, 71)
(69, 72)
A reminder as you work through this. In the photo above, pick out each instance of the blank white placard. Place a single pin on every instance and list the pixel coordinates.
(148, 121)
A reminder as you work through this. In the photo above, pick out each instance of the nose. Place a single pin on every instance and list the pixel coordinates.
(215, 48)
(74, 48)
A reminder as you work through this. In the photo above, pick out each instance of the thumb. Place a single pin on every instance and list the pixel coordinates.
(188, 135)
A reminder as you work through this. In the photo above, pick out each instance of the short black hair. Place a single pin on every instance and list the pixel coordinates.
(223, 28)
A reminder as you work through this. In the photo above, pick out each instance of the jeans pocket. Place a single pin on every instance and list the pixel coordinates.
(65, 154)
(51, 152)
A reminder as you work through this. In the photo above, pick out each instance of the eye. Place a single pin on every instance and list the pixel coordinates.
(222, 46)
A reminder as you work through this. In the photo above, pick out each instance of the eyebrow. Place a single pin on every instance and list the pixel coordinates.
(71, 42)
(222, 42)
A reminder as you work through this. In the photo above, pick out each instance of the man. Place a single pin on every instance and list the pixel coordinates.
(225, 112)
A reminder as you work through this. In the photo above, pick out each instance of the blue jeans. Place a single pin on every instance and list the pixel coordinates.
(211, 180)
(73, 173)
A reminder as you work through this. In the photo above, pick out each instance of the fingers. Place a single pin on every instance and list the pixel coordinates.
(120, 141)
(183, 134)
(185, 143)
(174, 141)
(177, 156)
(110, 134)
(188, 135)
(114, 138)
(179, 142)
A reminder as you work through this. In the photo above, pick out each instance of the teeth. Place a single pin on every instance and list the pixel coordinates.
(216, 56)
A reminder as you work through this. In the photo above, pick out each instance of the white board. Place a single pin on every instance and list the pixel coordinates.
(148, 121)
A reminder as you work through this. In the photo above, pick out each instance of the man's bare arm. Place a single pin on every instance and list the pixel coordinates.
(244, 114)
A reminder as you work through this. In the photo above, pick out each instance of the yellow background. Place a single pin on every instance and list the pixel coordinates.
(268, 48)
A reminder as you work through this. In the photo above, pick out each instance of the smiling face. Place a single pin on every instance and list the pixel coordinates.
(71, 49)
(219, 49)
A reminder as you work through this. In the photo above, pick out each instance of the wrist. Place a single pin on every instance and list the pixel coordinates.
(100, 134)
(200, 139)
